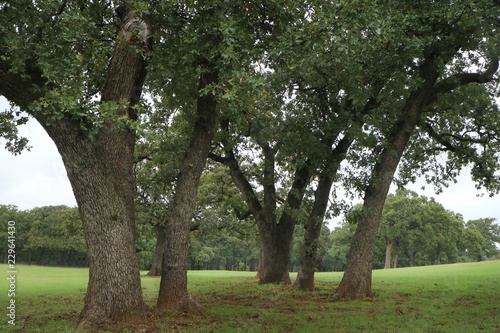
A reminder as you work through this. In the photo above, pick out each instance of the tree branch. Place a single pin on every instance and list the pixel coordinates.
(242, 183)
(433, 134)
(461, 79)
(217, 158)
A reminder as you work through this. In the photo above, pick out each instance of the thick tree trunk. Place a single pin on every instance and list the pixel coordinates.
(161, 234)
(99, 167)
(104, 188)
(275, 245)
(388, 253)
(173, 286)
(276, 238)
(105, 195)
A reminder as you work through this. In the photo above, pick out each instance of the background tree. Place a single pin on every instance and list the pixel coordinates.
(56, 236)
(341, 237)
(401, 225)
(490, 232)
(23, 225)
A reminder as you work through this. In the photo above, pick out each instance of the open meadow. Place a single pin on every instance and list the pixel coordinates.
(445, 298)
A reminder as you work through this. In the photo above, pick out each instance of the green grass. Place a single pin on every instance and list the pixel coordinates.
(446, 298)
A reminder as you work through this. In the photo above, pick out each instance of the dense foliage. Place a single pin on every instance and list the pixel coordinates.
(293, 99)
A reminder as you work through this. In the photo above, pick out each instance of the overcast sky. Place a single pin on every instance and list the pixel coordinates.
(37, 178)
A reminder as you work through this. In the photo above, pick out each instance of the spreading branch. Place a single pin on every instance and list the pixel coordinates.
(461, 79)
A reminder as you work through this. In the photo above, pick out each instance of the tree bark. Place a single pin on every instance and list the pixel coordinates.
(388, 252)
(99, 168)
(161, 234)
(173, 286)
(411, 255)
(275, 245)
(309, 260)
(356, 282)
(275, 236)
(357, 279)
(395, 261)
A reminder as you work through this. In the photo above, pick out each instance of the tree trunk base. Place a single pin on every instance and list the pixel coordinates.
(303, 282)
(352, 291)
(284, 280)
(98, 320)
(186, 304)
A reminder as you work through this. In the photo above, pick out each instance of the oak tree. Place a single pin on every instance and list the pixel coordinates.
(78, 69)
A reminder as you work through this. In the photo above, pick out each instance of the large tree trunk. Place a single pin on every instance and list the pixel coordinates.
(173, 286)
(161, 234)
(275, 245)
(104, 188)
(275, 236)
(104, 191)
(388, 253)
(99, 167)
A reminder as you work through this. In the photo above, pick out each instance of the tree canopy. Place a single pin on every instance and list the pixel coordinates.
(294, 99)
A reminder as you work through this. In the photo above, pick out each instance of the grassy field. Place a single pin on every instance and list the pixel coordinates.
(448, 298)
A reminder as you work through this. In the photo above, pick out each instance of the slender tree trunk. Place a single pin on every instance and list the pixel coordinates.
(41, 257)
(173, 286)
(395, 262)
(62, 259)
(309, 260)
(161, 234)
(438, 258)
(388, 253)
(357, 279)
(411, 256)
(253, 265)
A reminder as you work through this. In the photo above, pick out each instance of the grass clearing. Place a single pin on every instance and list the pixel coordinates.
(446, 298)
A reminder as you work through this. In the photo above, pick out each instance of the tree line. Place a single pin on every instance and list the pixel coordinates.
(415, 231)
(293, 100)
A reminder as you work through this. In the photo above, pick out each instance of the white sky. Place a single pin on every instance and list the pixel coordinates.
(38, 178)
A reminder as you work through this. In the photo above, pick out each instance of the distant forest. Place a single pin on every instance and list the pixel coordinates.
(415, 231)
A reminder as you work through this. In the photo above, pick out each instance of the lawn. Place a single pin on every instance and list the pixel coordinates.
(445, 298)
